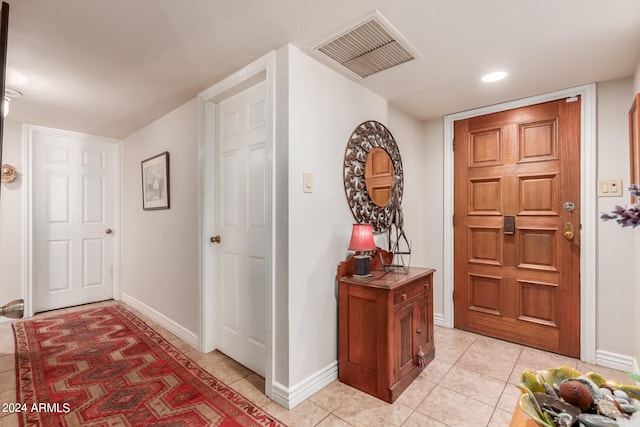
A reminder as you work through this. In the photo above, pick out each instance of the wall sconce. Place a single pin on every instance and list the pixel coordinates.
(362, 241)
(8, 94)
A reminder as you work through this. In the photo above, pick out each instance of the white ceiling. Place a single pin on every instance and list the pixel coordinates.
(110, 67)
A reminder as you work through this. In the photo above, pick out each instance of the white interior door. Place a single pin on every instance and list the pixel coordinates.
(241, 222)
(73, 219)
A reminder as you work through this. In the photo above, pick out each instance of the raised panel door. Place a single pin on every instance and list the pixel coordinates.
(241, 222)
(73, 209)
(519, 282)
(405, 320)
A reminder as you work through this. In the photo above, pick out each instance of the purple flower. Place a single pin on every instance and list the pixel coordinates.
(626, 216)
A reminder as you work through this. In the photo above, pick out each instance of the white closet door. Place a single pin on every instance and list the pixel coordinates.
(241, 221)
(73, 214)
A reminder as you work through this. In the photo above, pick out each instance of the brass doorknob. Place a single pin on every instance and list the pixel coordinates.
(108, 231)
(215, 239)
(568, 231)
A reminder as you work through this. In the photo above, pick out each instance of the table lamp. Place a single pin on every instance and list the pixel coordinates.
(361, 242)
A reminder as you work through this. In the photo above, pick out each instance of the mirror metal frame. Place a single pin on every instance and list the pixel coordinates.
(367, 136)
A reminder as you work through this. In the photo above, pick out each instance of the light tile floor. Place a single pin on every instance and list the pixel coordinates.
(471, 382)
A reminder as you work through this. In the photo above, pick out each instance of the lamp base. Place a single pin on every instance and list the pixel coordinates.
(362, 266)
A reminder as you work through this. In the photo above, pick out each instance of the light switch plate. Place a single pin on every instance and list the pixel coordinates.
(307, 182)
(610, 188)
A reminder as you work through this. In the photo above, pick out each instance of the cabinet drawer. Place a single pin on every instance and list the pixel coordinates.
(409, 292)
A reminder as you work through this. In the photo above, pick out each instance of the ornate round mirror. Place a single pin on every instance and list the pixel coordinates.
(373, 175)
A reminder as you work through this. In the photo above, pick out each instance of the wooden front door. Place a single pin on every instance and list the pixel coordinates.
(517, 203)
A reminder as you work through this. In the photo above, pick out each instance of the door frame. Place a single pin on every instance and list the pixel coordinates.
(28, 135)
(263, 69)
(587, 205)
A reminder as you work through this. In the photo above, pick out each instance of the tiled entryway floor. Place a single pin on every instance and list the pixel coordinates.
(471, 382)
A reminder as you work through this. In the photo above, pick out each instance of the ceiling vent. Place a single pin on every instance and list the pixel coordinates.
(371, 46)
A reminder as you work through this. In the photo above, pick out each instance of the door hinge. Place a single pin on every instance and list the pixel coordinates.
(453, 295)
(572, 99)
(453, 220)
(453, 145)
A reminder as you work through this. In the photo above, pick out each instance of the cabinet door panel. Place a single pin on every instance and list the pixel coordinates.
(362, 329)
(425, 323)
(405, 325)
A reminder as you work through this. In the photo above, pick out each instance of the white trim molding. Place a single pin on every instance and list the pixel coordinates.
(27, 228)
(176, 329)
(262, 69)
(616, 361)
(587, 203)
(28, 132)
(438, 320)
(291, 397)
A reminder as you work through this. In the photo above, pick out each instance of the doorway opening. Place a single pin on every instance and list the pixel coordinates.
(213, 283)
(588, 204)
(72, 233)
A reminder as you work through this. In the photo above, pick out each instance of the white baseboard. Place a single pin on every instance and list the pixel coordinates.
(438, 319)
(291, 397)
(616, 361)
(170, 325)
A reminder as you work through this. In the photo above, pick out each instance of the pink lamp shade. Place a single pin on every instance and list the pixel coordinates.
(362, 238)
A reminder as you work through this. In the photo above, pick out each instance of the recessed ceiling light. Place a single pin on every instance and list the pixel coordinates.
(494, 77)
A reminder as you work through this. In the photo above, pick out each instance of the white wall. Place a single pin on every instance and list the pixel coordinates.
(11, 216)
(615, 252)
(281, 221)
(160, 248)
(324, 109)
(433, 215)
(408, 133)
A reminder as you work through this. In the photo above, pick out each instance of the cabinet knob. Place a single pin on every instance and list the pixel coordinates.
(403, 296)
(418, 331)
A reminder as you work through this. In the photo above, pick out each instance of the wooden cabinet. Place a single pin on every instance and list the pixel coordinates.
(384, 320)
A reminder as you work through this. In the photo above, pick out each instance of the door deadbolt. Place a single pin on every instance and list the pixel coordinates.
(215, 239)
(569, 207)
(568, 231)
(509, 224)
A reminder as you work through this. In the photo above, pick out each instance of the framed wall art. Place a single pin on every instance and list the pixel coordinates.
(155, 182)
(634, 143)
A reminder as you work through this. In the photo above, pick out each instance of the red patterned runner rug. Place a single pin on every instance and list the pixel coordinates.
(106, 367)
